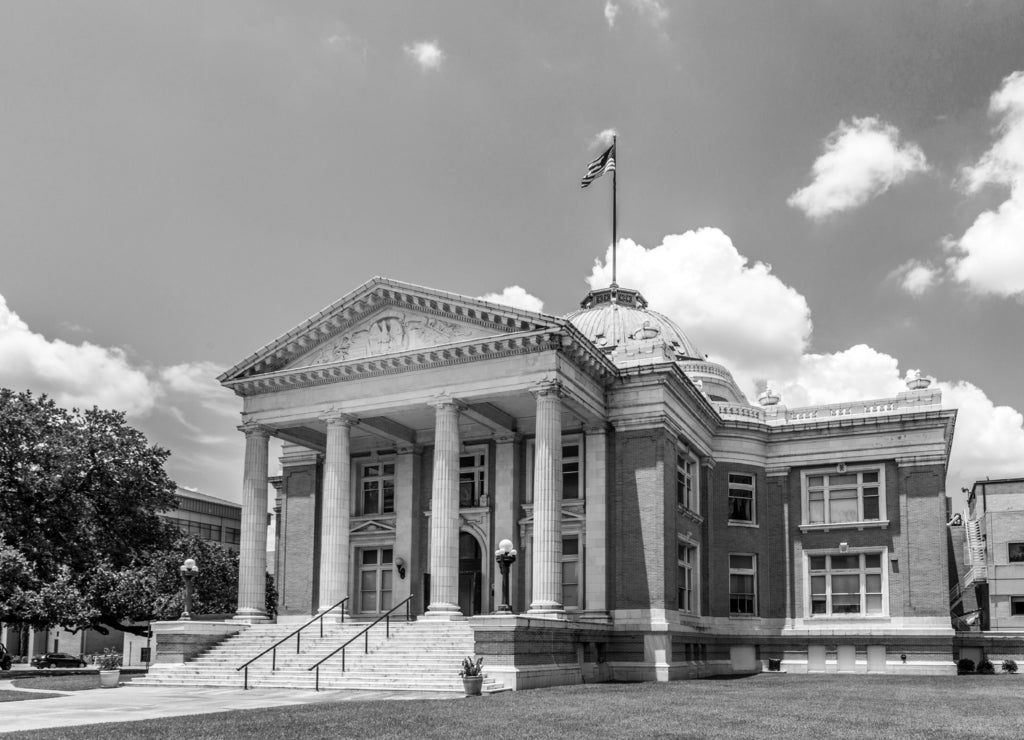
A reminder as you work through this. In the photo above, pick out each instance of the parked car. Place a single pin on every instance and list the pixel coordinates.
(5, 658)
(58, 660)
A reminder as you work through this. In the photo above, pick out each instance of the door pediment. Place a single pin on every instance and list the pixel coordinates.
(388, 331)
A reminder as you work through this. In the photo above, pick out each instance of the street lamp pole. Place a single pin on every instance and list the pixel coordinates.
(505, 555)
(188, 572)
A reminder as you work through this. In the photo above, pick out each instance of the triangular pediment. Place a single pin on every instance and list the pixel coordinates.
(392, 329)
(385, 317)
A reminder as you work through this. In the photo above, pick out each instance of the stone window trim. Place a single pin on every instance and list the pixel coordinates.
(742, 500)
(830, 473)
(863, 570)
(569, 439)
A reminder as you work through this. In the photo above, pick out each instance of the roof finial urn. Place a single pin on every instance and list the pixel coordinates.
(769, 397)
(916, 381)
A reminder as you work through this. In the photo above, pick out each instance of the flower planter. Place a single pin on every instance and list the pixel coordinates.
(472, 685)
(109, 679)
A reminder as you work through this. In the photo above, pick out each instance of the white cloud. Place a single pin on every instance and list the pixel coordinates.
(81, 375)
(858, 373)
(861, 160)
(989, 257)
(610, 11)
(603, 139)
(427, 54)
(198, 380)
(739, 313)
(517, 298)
(916, 277)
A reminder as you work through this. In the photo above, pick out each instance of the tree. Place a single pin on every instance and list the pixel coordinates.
(80, 493)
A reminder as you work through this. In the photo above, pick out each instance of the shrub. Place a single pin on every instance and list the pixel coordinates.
(965, 665)
(986, 667)
(110, 660)
(471, 668)
(1009, 666)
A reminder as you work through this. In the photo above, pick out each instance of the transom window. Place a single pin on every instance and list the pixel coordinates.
(856, 495)
(571, 571)
(472, 477)
(571, 471)
(743, 584)
(686, 481)
(741, 498)
(846, 584)
(377, 488)
(1015, 552)
(687, 559)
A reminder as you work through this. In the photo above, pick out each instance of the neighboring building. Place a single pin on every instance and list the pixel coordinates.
(666, 526)
(211, 518)
(987, 548)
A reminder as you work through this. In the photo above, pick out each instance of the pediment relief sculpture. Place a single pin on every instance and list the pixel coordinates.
(389, 332)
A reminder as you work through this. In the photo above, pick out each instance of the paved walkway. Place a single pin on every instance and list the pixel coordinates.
(129, 703)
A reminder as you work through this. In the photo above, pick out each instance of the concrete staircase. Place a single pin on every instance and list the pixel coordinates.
(420, 656)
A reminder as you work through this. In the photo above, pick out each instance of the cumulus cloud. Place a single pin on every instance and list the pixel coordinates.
(198, 380)
(427, 55)
(79, 375)
(603, 139)
(989, 257)
(916, 277)
(516, 297)
(653, 11)
(861, 160)
(738, 312)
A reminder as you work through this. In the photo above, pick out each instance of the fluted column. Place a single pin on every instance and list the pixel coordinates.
(334, 514)
(252, 560)
(547, 502)
(444, 511)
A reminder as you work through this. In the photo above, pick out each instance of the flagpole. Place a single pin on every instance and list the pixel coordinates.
(615, 209)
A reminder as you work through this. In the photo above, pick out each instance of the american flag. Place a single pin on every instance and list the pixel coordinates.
(604, 163)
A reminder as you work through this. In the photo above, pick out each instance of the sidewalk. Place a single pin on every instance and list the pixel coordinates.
(130, 703)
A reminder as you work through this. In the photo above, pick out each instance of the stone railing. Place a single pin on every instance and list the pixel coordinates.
(773, 415)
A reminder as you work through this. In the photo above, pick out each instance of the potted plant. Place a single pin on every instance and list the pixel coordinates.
(110, 669)
(472, 675)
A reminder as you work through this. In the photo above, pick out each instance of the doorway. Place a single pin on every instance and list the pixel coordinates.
(470, 575)
(376, 572)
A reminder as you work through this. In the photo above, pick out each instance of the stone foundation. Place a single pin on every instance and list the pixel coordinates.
(179, 642)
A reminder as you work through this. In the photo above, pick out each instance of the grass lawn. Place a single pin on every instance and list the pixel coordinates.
(62, 683)
(779, 706)
(20, 696)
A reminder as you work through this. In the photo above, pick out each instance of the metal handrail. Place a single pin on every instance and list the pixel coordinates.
(386, 616)
(298, 641)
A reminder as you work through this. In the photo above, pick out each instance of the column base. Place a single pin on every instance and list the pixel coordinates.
(547, 611)
(251, 616)
(443, 611)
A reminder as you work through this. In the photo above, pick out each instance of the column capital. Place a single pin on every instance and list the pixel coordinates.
(598, 428)
(253, 429)
(338, 419)
(444, 400)
(547, 387)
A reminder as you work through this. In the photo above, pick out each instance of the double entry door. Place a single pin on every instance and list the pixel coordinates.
(376, 579)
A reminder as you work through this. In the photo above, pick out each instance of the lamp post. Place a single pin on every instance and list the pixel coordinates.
(188, 572)
(505, 555)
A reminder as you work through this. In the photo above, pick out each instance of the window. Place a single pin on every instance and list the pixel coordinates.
(686, 481)
(848, 497)
(846, 584)
(571, 471)
(234, 536)
(741, 498)
(1017, 606)
(377, 488)
(472, 478)
(687, 559)
(203, 530)
(743, 584)
(1016, 552)
(571, 571)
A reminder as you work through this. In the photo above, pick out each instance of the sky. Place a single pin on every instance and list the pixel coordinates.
(823, 195)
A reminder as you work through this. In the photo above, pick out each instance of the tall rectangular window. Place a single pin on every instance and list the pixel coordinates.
(743, 584)
(847, 497)
(376, 574)
(844, 584)
(686, 556)
(472, 478)
(377, 488)
(571, 571)
(571, 488)
(741, 498)
(687, 489)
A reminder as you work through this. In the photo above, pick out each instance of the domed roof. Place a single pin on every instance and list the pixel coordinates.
(619, 322)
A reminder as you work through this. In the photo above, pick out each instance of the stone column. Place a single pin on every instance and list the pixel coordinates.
(252, 560)
(334, 514)
(547, 502)
(444, 512)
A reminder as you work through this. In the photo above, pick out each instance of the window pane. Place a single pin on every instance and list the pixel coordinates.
(369, 557)
(1016, 552)
(845, 562)
(368, 580)
(389, 469)
(846, 604)
(818, 585)
(570, 595)
(870, 477)
(873, 561)
(874, 604)
(741, 505)
(818, 605)
(871, 505)
(848, 479)
(843, 506)
(385, 556)
(570, 546)
(818, 562)
(741, 561)
(389, 497)
(570, 450)
(467, 461)
(815, 481)
(747, 480)
(570, 485)
(873, 583)
(1016, 606)
(845, 584)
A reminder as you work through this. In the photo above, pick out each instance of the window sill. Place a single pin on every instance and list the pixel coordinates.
(880, 524)
(690, 514)
(741, 523)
